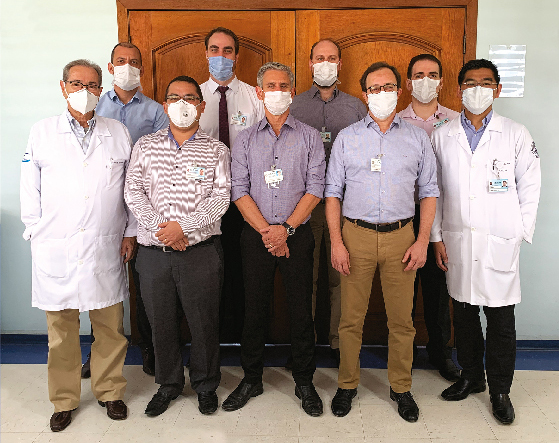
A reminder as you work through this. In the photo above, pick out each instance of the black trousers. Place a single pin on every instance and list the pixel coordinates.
(189, 280)
(436, 310)
(500, 347)
(259, 268)
(142, 321)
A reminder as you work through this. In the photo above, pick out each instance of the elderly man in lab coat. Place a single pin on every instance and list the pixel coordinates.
(82, 233)
(489, 179)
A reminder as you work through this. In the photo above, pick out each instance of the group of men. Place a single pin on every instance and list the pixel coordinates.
(300, 169)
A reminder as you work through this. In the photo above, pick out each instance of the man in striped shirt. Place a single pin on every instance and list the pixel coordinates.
(178, 186)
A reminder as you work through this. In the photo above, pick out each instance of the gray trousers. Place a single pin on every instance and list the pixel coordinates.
(189, 280)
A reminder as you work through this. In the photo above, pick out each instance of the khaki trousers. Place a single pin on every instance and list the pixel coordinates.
(367, 249)
(107, 356)
(320, 230)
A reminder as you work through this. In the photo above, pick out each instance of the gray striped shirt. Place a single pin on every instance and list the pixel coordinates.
(159, 187)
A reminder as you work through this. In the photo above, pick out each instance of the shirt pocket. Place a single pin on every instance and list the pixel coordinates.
(115, 172)
(502, 253)
(107, 254)
(51, 258)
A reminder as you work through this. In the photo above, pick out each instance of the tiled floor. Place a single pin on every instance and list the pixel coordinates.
(276, 416)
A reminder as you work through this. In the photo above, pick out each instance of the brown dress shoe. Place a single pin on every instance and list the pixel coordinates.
(60, 420)
(116, 409)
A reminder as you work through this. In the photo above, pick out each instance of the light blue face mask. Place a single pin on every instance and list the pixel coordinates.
(221, 68)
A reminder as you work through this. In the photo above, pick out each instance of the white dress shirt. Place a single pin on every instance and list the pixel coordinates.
(241, 100)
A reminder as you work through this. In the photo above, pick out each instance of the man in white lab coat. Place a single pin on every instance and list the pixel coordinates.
(489, 179)
(82, 233)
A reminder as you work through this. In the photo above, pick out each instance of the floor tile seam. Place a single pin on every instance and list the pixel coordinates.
(486, 414)
(362, 420)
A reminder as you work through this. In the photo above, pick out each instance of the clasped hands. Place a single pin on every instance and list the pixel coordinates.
(274, 238)
(171, 235)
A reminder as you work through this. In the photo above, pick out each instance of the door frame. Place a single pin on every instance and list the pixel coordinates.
(124, 7)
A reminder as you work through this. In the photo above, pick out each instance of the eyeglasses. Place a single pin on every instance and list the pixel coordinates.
(484, 84)
(79, 85)
(173, 98)
(389, 87)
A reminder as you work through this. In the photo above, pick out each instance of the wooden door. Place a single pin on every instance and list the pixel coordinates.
(171, 33)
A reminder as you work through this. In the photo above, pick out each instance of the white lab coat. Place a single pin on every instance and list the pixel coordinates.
(483, 230)
(72, 205)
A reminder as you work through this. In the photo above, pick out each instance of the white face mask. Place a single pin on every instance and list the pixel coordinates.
(425, 89)
(126, 77)
(477, 99)
(325, 73)
(182, 113)
(277, 102)
(82, 101)
(382, 104)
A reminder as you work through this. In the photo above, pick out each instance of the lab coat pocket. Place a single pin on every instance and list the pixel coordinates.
(115, 172)
(503, 253)
(51, 258)
(107, 254)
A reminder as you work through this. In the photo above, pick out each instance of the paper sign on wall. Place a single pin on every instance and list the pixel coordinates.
(511, 63)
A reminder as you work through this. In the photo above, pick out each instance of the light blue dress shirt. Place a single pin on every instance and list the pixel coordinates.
(83, 135)
(472, 135)
(387, 195)
(141, 115)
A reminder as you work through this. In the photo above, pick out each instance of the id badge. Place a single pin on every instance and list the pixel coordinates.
(376, 164)
(196, 172)
(273, 177)
(239, 119)
(440, 123)
(326, 137)
(498, 185)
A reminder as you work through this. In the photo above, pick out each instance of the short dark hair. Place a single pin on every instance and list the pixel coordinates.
(327, 40)
(223, 31)
(126, 45)
(375, 67)
(429, 57)
(187, 79)
(478, 64)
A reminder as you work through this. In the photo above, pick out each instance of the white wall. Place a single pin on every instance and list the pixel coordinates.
(39, 37)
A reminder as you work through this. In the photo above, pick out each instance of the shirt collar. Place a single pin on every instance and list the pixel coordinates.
(290, 121)
(410, 113)
(369, 120)
(468, 124)
(170, 135)
(315, 92)
(74, 123)
(234, 85)
(137, 96)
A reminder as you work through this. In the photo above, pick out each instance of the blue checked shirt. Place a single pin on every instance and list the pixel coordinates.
(382, 196)
(298, 152)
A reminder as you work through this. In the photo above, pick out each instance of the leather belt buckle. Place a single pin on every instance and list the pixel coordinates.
(167, 249)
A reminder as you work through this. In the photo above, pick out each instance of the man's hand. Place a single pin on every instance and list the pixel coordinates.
(274, 237)
(282, 251)
(440, 255)
(128, 248)
(169, 233)
(417, 256)
(180, 245)
(340, 258)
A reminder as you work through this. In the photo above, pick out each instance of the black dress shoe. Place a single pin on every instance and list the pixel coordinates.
(241, 395)
(310, 400)
(407, 408)
(116, 409)
(159, 404)
(502, 408)
(462, 388)
(341, 403)
(60, 420)
(148, 361)
(86, 368)
(207, 402)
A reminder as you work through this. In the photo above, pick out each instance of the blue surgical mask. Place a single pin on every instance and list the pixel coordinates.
(221, 68)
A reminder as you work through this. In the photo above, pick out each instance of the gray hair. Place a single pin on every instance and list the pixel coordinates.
(273, 66)
(82, 62)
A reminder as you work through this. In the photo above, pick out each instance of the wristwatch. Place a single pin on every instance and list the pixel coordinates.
(290, 229)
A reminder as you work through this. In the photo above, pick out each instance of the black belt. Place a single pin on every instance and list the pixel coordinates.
(382, 227)
(208, 241)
